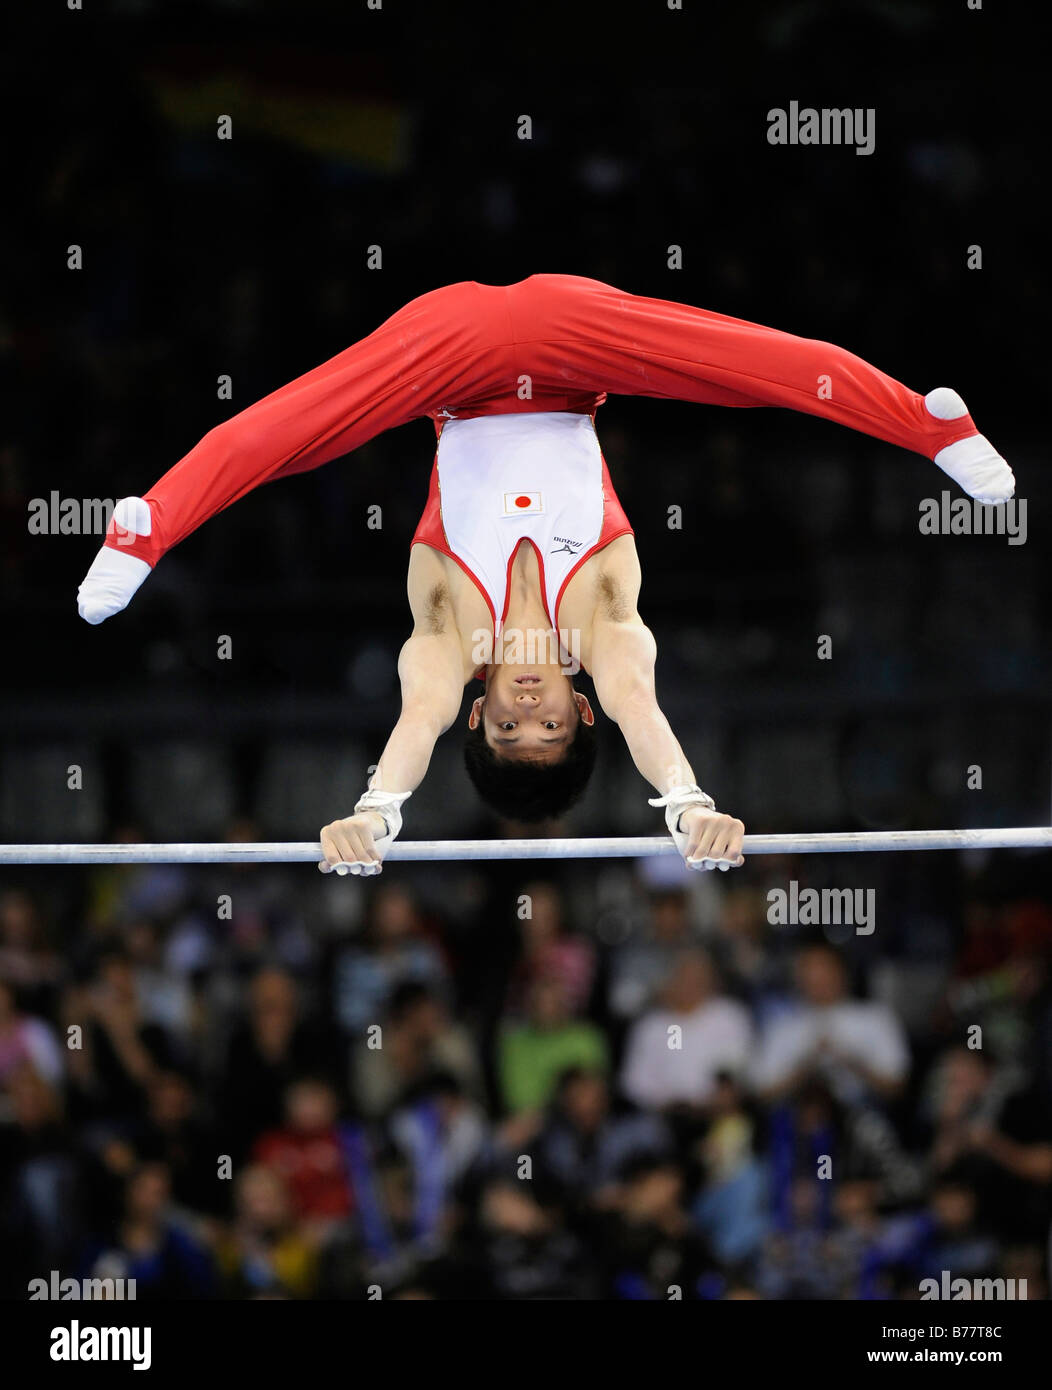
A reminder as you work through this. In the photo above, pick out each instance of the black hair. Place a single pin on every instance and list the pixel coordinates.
(436, 1083)
(644, 1162)
(569, 1076)
(963, 1174)
(405, 997)
(525, 790)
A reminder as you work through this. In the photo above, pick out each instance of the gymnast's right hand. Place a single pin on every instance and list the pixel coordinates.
(351, 846)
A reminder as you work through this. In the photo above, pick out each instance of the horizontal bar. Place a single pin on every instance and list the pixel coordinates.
(632, 847)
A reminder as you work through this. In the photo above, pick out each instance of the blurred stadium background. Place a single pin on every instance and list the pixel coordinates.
(507, 1035)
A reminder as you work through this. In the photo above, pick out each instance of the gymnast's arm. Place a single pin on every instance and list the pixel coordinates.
(431, 672)
(624, 654)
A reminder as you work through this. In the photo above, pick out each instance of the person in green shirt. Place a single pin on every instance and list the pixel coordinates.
(535, 1053)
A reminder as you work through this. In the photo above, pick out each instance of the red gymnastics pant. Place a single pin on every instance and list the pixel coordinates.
(551, 342)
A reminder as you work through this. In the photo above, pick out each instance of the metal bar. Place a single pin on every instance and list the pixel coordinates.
(632, 847)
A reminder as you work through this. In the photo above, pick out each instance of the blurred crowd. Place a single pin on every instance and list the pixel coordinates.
(611, 1083)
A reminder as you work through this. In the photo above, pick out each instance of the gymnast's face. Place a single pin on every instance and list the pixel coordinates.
(529, 712)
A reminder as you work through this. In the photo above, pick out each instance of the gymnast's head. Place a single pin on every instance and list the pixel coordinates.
(530, 748)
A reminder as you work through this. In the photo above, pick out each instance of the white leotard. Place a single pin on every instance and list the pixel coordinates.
(502, 479)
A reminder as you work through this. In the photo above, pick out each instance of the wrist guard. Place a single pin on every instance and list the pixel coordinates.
(386, 805)
(676, 801)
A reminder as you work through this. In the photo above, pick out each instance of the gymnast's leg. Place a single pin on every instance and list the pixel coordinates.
(593, 336)
(437, 348)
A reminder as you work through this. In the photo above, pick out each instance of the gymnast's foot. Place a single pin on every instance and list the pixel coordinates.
(973, 462)
(115, 575)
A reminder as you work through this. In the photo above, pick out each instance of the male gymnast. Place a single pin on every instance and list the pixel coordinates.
(524, 565)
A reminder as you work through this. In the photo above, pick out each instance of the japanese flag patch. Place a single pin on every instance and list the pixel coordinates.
(522, 503)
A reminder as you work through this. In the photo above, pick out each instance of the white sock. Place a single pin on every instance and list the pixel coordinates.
(115, 575)
(979, 468)
(972, 462)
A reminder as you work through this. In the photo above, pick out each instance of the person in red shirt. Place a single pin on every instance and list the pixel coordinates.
(307, 1153)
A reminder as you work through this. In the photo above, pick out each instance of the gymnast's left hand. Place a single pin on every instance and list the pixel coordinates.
(714, 841)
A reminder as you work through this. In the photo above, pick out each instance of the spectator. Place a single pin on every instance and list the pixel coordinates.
(583, 1145)
(794, 1261)
(25, 1040)
(640, 968)
(270, 1049)
(418, 1039)
(550, 950)
(165, 999)
(39, 1190)
(444, 1136)
(858, 1046)
(308, 1155)
(151, 1246)
(533, 1054)
(732, 1209)
(743, 941)
(853, 1250)
(264, 1254)
(526, 1251)
(1001, 1131)
(647, 1246)
(174, 1134)
(396, 951)
(949, 1234)
(27, 961)
(676, 1050)
(120, 1054)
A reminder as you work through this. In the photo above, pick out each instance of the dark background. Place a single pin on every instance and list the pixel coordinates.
(248, 257)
